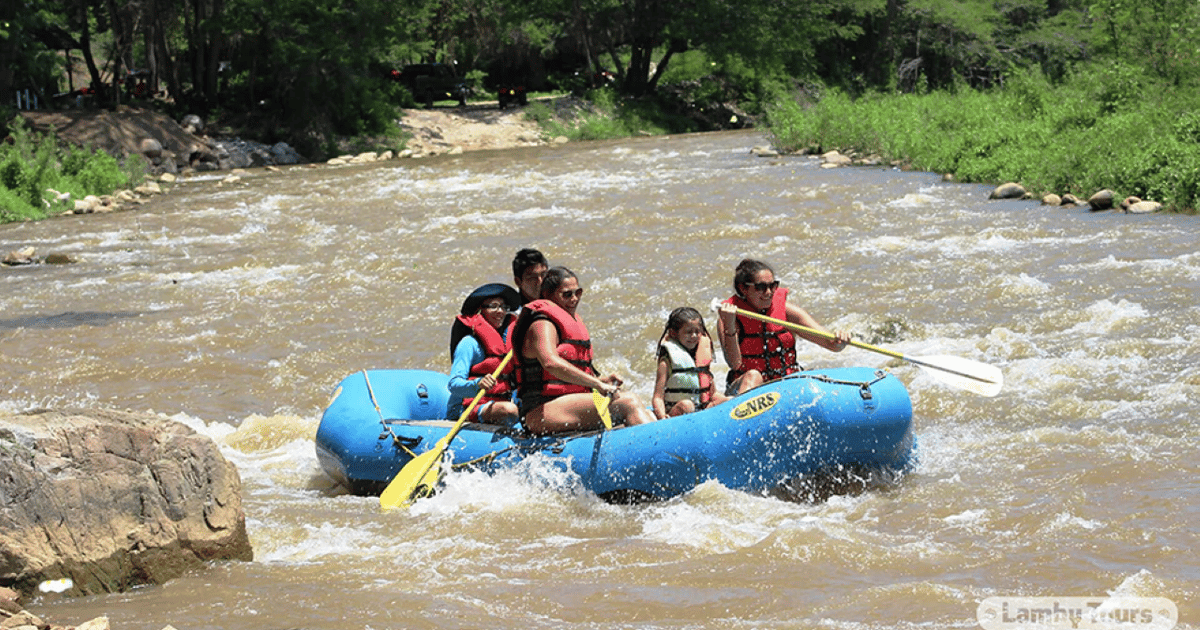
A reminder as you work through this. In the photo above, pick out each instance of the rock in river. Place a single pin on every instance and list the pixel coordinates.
(108, 500)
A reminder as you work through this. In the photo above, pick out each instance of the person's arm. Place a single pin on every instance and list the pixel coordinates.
(542, 342)
(658, 402)
(727, 331)
(797, 315)
(467, 353)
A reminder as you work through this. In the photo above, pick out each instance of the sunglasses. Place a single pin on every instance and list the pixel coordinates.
(494, 307)
(566, 295)
(762, 287)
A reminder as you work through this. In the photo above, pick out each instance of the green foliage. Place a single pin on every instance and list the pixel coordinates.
(32, 165)
(539, 112)
(604, 115)
(15, 208)
(1108, 126)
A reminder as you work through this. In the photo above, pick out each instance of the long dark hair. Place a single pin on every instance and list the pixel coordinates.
(745, 272)
(677, 319)
(554, 279)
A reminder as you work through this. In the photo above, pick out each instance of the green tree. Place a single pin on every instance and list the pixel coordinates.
(1160, 35)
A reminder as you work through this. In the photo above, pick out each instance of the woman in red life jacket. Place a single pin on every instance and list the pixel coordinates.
(479, 339)
(758, 352)
(555, 376)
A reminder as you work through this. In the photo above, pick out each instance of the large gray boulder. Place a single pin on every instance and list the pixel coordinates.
(111, 500)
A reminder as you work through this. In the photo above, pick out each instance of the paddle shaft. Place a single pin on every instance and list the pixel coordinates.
(857, 344)
(444, 443)
(403, 489)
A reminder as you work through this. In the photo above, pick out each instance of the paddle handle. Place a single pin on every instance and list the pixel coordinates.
(821, 333)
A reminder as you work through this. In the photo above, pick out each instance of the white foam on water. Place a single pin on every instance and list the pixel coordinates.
(922, 199)
(1105, 316)
(968, 519)
(1024, 285)
(704, 519)
(1069, 523)
(886, 245)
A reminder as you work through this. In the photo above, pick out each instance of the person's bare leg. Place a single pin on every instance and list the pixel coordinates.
(747, 382)
(503, 413)
(573, 412)
(682, 407)
(630, 409)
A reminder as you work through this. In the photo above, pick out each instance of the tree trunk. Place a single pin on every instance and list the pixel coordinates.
(212, 61)
(170, 66)
(677, 46)
(85, 43)
(8, 53)
(118, 50)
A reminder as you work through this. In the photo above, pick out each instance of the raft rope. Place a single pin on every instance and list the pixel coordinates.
(387, 428)
(864, 387)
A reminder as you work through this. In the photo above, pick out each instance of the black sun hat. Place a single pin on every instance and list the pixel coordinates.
(512, 299)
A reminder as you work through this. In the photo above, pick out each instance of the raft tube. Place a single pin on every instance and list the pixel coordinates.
(840, 418)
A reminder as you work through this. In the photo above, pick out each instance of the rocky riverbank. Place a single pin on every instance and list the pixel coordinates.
(176, 149)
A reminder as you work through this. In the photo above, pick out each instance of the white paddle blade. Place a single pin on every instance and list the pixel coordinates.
(973, 376)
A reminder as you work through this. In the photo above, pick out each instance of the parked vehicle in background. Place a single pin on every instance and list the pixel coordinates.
(512, 95)
(429, 82)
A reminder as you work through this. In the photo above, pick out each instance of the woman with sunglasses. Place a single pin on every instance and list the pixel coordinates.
(555, 375)
(759, 352)
(479, 339)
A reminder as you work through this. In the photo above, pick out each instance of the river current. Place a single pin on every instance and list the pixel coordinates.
(237, 307)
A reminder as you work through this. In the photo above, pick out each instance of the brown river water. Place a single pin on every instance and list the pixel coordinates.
(237, 308)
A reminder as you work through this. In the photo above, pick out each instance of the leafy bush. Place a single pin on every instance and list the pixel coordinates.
(14, 208)
(604, 117)
(32, 165)
(1108, 126)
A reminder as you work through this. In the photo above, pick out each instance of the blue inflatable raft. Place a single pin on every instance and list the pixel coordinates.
(835, 419)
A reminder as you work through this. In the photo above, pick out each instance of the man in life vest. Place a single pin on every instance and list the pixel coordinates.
(555, 375)
(759, 352)
(480, 338)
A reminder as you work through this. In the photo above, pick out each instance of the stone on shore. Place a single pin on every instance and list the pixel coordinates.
(834, 159)
(110, 500)
(1102, 200)
(1011, 190)
(1144, 207)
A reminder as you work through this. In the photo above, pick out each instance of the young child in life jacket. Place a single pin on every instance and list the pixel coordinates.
(685, 352)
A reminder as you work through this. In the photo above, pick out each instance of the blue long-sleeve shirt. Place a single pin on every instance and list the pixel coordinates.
(468, 352)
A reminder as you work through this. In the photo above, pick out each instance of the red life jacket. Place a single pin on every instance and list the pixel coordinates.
(768, 348)
(494, 349)
(534, 383)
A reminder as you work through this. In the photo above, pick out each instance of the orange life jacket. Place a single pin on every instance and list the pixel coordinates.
(574, 344)
(768, 348)
(494, 348)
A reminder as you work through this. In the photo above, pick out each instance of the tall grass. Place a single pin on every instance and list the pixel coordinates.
(33, 165)
(606, 116)
(1106, 127)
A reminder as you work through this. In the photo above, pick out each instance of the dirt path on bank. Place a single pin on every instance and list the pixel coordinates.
(473, 128)
(439, 130)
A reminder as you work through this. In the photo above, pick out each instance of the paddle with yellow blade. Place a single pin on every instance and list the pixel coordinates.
(973, 376)
(601, 401)
(420, 476)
